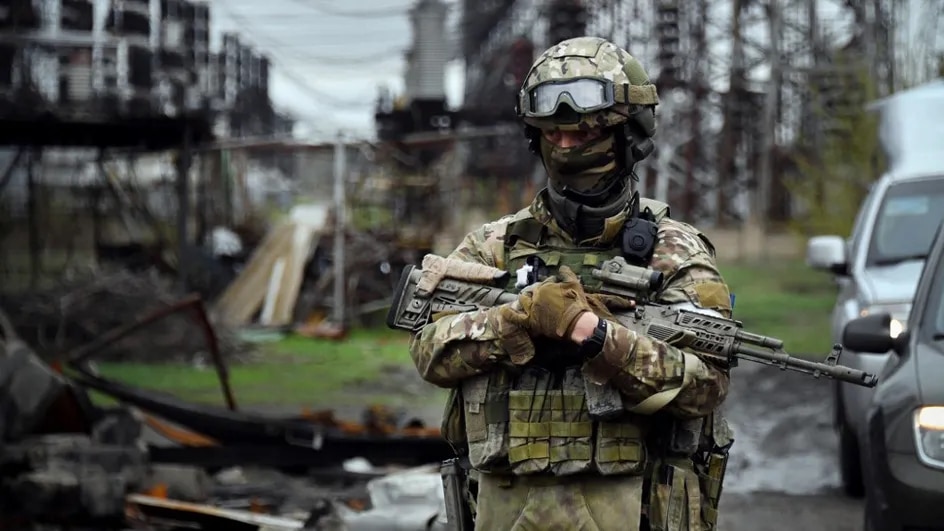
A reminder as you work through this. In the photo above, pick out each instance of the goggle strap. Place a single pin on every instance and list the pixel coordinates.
(636, 94)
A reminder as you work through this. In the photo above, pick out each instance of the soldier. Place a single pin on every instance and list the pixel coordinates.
(517, 372)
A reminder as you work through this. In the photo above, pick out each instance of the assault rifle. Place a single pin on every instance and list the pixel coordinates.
(456, 286)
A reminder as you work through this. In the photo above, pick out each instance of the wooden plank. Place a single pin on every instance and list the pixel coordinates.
(272, 293)
(243, 297)
(303, 242)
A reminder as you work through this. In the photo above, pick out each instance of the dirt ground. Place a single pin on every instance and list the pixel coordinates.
(782, 475)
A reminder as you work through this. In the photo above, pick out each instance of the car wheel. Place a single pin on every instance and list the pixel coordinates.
(850, 465)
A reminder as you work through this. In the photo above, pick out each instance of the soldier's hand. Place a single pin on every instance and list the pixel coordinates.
(510, 323)
(606, 305)
(554, 305)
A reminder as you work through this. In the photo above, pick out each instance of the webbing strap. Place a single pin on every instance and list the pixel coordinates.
(531, 450)
(627, 451)
(661, 399)
(615, 430)
(556, 402)
(550, 429)
(637, 94)
(571, 452)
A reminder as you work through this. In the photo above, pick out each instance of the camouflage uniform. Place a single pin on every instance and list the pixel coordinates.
(540, 461)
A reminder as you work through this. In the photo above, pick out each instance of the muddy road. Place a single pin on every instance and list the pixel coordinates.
(782, 474)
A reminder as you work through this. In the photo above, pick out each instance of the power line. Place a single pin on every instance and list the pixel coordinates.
(320, 96)
(273, 44)
(365, 14)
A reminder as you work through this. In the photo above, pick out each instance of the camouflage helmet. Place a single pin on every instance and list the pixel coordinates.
(603, 83)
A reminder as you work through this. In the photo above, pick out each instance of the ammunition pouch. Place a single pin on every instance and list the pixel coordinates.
(710, 479)
(695, 457)
(675, 501)
(711, 464)
(538, 423)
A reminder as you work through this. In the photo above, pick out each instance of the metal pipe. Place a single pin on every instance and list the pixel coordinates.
(194, 302)
(339, 215)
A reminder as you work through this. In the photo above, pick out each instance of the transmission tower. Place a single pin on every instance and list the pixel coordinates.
(742, 83)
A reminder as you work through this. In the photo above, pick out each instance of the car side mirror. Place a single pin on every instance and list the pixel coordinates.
(827, 253)
(874, 334)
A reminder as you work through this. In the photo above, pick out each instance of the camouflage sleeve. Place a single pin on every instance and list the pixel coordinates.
(455, 347)
(649, 371)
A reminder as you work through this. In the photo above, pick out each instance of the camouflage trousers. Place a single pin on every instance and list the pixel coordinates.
(591, 503)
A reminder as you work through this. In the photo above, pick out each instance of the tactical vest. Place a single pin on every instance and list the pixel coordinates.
(537, 422)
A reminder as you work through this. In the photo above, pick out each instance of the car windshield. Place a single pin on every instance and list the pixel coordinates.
(907, 220)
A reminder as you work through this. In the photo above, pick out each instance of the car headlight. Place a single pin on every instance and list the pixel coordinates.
(899, 313)
(929, 435)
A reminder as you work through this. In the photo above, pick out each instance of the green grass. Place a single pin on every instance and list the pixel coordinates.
(294, 370)
(786, 300)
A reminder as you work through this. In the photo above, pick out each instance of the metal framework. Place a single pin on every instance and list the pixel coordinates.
(741, 81)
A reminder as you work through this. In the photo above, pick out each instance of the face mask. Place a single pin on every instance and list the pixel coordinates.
(580, 168)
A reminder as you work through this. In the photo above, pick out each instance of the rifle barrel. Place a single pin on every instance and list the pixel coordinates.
(759, 340)
(784, 361)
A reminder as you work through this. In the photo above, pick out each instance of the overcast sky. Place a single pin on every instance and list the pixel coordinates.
(329, 56)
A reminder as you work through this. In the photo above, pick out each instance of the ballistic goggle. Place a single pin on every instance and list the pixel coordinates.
(584, 95)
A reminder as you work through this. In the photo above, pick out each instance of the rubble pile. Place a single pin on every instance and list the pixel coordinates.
(156, 462)
(57, 320)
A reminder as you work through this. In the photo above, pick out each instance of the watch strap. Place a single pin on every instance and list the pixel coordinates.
(593, 345)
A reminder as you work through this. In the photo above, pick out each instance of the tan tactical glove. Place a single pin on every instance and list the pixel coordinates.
(552, 307)
(606, 305)
(513, 338)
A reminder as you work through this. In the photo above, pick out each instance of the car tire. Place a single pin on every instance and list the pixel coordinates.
(872, 520)
(850, 464)
(868, 524)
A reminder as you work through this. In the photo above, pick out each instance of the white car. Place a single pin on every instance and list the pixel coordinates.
(877, 269)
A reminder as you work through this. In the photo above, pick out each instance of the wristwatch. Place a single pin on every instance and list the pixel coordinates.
(593, 345)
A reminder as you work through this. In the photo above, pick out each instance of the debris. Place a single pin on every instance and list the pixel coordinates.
(82, 309)
(159, 513)
(69, 478)
(288, 281)
(405, 500)
(65, 463)
(28, 387)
